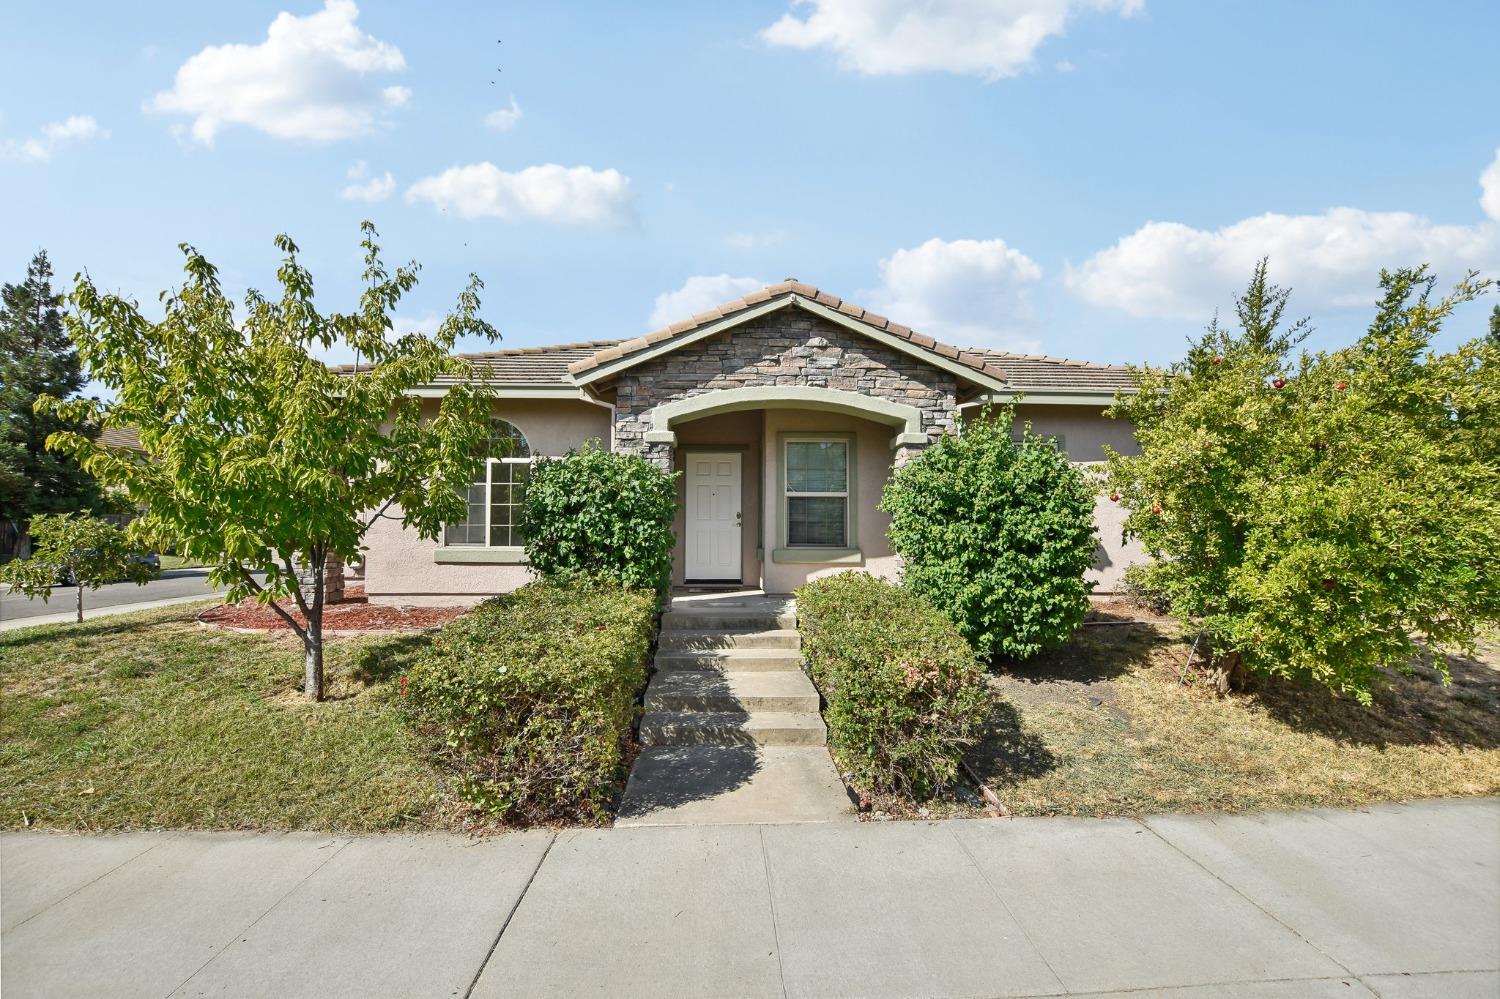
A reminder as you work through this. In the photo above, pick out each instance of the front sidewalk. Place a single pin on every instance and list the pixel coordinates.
(1394, 901)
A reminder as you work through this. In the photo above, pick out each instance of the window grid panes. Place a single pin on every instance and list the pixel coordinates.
(817, 493)
(494, 498)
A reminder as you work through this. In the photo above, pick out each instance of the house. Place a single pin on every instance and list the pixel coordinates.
(784, 411)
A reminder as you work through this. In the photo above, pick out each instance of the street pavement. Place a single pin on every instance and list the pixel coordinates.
(1393, 901)
(174, 586)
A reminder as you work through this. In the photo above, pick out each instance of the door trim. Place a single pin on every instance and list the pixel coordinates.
(737, 453)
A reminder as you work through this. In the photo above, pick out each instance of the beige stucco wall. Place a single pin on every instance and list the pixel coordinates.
(1085, 431)
(400, 566)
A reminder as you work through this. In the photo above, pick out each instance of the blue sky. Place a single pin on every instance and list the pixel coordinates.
(1082, 178)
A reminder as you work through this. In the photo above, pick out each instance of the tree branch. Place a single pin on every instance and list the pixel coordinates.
(296, 585)
(291, 621)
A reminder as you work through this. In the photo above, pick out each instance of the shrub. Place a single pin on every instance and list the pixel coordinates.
(532, 695)
(996, 533)
(1317, 517)
(904, 691)
(595, 514)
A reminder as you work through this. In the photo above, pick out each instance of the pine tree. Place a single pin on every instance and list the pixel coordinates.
(36, 358)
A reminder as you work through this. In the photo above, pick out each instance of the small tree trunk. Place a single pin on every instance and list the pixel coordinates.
(78, 585)
(313, 642)
(1226, 672)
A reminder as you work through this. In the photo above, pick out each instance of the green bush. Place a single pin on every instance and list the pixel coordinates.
(904, 691)
(997, 534)
(1323, 516)
(532, 695)
(595, 514)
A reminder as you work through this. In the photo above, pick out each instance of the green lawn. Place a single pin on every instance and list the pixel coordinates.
(150, 721)
(179, 562)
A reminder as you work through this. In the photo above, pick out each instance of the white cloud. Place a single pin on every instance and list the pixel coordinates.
(1166, 270)
(987, 38)
(754, 240)
(699, 294)
(55, 135)
(967, 292)
(548, 193)
(310, 79)
(363, 187)
(504, 119)
(1489, 186)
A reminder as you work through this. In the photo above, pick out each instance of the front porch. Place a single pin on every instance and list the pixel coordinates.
(771, 497)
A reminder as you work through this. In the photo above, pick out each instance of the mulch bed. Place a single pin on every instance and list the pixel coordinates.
(354, 614)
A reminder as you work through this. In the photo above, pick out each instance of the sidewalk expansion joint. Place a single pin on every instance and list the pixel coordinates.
(473, 982)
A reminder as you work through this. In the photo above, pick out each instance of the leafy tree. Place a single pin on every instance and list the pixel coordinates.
(258, 456)
(1495, 324)
(1315, 517)
(36, 358)
(997, 534)
(596, 514)
(81, 550)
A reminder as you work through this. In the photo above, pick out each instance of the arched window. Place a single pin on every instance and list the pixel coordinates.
(495, 495)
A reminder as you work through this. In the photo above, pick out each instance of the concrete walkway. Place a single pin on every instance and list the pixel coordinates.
(731, 732)
(1397, 902)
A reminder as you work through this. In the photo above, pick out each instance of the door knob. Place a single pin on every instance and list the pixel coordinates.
(737, 518)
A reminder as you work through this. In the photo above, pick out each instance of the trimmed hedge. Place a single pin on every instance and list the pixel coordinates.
(531, 696)
(905, 694)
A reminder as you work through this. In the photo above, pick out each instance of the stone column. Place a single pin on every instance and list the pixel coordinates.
(333, 579)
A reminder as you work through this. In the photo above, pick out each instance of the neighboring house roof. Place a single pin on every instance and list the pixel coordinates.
(786, 292)
(122, 437)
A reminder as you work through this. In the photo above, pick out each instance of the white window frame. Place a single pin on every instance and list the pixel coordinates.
(489, 501)
(787, 493)
(489, 504)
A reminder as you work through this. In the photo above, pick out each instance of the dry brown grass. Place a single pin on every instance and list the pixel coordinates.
(1102, 727)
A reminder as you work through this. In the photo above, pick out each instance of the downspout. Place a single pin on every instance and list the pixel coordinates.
(584, 395)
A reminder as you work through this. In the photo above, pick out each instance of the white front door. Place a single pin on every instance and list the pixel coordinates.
(712, 516)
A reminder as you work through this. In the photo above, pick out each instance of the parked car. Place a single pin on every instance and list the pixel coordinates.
(149, 559)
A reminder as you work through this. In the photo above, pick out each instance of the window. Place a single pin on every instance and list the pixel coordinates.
(817, 493)
(495, 496)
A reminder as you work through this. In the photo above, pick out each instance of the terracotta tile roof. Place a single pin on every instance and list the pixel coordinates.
(1058, 374)
(968, 358)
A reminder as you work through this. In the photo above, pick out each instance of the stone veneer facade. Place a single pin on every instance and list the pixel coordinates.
(787, 347)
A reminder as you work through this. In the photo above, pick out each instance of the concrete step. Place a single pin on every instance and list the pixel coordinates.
(705, 690)
(730, 660)
(706, 641)
(727, 620)
(733, 728)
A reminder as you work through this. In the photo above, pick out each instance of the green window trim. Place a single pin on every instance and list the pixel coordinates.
(784, 552)
(479, 555)
(818, 556)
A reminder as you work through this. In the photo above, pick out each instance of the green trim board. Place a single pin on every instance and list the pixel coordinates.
(479, 555)
(818, 556)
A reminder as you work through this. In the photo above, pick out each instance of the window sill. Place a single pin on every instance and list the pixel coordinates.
(818, 556)
(479, 555)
